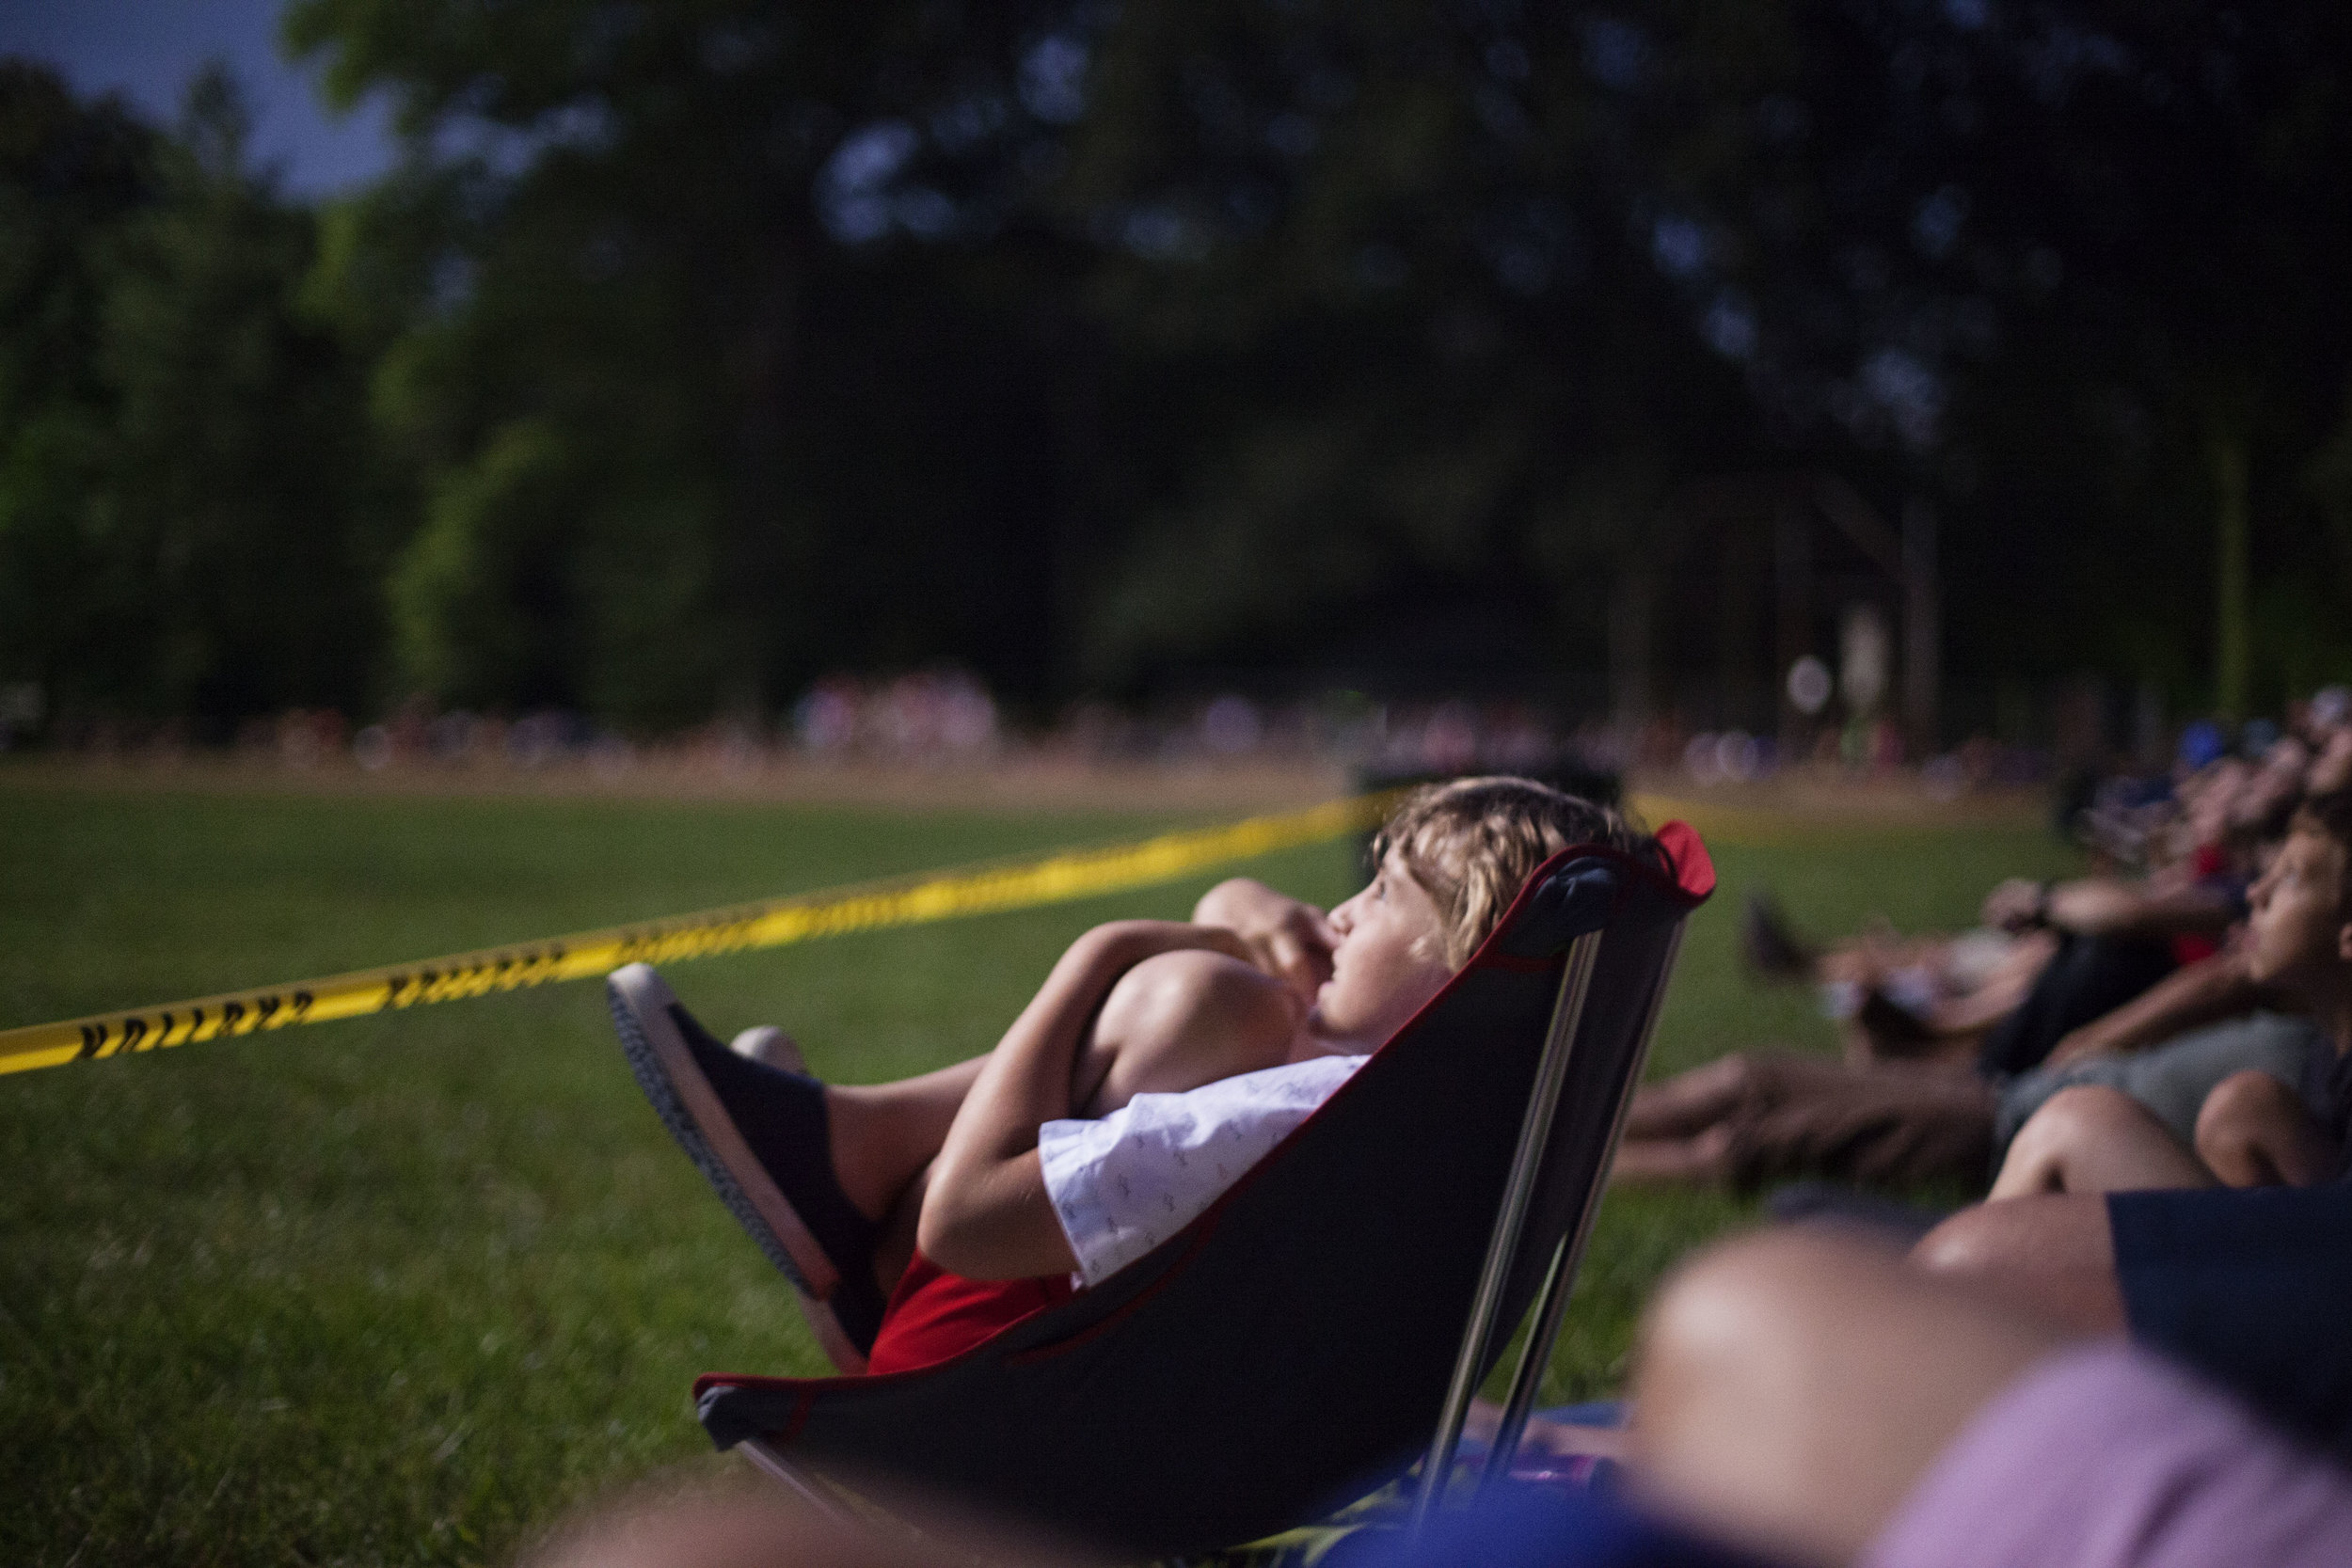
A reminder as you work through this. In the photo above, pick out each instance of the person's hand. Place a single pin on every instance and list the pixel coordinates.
(1289, 939)
(2017, 905)
(1296, 949)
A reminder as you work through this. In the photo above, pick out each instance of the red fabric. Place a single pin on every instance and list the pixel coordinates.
(933, 1314)
(2210, 861)
(2191, 946)
(1693, 868)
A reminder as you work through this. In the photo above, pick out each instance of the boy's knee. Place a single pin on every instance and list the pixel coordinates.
(2241, 1103)
(1180, 1020)
(2085, 1110)
(2091, 1106)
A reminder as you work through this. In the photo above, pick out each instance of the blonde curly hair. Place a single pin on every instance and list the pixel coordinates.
(1472, 842)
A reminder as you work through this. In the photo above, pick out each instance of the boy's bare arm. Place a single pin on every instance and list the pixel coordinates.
(1289, 938)
(2109, 906)
(986, 1214)
(2206, 991)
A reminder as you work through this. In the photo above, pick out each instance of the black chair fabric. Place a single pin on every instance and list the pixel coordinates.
(1290, 1349)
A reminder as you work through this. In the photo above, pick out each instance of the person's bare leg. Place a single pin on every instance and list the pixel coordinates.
(1690, 1102)
(2052, 1254)
(884, 1134)
(1952, 1031)
(2253, 1131)
(1791, 1388)
(894, 1244)
(2094, 1139)
(1180, 1021)
(1701, 1160)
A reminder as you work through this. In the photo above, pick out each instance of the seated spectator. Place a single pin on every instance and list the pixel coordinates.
(2049, 958)
(1157, 1063)
(2247, 1286)
(2255, 1128)
(2089, 1018)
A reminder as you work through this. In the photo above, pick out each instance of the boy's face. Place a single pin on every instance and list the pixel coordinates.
(2298, 936)
(1386, 964)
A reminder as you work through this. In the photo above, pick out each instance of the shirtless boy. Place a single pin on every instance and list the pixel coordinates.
(1156, 1064)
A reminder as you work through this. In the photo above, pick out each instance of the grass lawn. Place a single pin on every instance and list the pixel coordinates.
(400, 1290)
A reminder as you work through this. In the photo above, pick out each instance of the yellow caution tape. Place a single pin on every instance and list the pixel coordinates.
(776, 923)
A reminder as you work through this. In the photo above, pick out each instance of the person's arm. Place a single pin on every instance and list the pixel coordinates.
(2110, 905)
(985, 1213)
(2206, 991)
(1289, 938)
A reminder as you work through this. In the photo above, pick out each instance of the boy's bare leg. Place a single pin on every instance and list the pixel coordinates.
(2253, 1131)
(2094, 1139)
(884, 1134)
(2052, 1254)
(1792, 1388)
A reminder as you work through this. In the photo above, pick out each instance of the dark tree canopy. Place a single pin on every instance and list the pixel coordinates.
(699, 348)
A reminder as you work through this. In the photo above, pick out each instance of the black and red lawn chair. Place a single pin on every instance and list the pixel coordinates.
(1291, 1348)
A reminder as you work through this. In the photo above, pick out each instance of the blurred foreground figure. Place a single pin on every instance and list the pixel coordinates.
(738, 1527)
(1816, 1399)
(1802, 1400)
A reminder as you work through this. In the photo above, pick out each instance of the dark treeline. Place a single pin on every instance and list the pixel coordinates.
(695, 349)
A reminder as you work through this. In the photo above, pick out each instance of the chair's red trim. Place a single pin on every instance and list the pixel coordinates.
(1694, 867)
(1692, 879)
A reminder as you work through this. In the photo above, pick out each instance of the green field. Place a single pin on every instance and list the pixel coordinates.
(403, 1289)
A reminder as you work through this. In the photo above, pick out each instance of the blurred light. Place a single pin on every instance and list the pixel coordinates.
(1910, 394)
(1730, 328)
(1810, 685)
(849, 188)
(1935, 226)
(1617, 53)
(1052, 79)
(1679, 245)
(925, 213)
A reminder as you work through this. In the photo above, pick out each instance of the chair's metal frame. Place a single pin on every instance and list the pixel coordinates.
(1551, 1301)
(801, 1483)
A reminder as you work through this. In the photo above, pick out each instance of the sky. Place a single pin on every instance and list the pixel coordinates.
(149, 51)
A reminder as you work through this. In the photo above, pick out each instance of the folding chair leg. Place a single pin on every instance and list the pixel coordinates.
(810, 1490)
(1534, 1134)
(1551, 1305)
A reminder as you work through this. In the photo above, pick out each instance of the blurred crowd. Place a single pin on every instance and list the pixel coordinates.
(945, 716)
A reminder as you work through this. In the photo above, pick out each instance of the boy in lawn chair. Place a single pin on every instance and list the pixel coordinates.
(1158, 1063)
